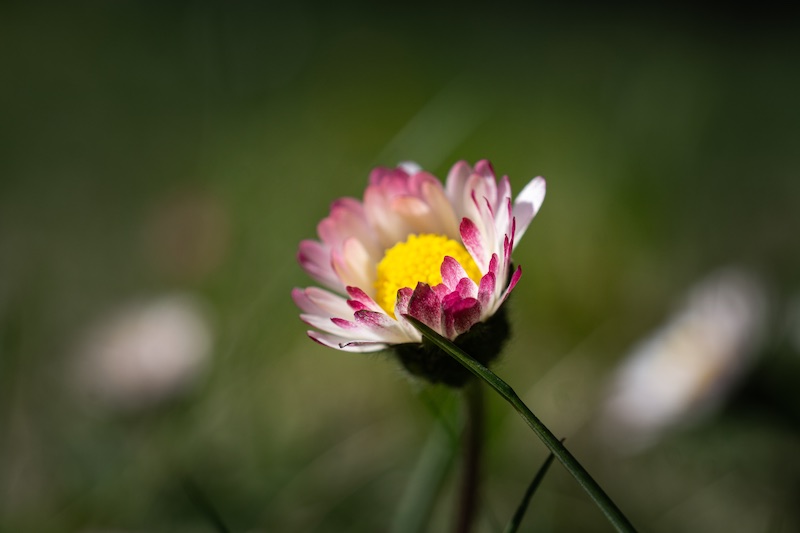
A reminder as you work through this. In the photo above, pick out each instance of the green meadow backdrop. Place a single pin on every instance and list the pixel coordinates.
(179, 151)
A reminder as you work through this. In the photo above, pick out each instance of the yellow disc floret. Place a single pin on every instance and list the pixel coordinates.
(419, 259)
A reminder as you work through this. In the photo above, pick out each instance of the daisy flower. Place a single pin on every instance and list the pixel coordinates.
(441, 254)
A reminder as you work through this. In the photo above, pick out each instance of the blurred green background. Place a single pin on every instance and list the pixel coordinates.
(149, 149)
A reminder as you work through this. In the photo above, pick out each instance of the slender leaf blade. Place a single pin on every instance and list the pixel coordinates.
(519, 514)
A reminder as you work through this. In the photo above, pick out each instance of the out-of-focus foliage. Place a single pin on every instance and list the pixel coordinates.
(148, 149)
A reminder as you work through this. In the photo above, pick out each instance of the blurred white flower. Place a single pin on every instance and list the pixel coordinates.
(144, 353)
(682, 372)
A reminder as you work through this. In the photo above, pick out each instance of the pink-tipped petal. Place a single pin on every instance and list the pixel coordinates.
(410, 207)
(487, 289)
(512, 283)
(461, 316)
(417, 214)
(388, 177)
(484, 220)
(389, 227)
(381, 326)
(355, 305)
(303, 302)
(320, 302)
(442, 209)
(503, 192)
(401, 311)
(372, 319)
(441, 290)
(466, 288)
(426, 307)
(419, 179)
(349, 204)
(455, 184)
(363, 298)
(493, 265)
(362, 329)
(315, 259)
(403, 299)
(508, 247)
(513, 232)
(348, 220)
(353, 264)
(450, 300)
(485, 169)
(483, 183)
(469, 205)
(336, 326)
(452, 272)
(473, 242)
(344, 324)
(489, 207)
(503, 218)
(377, 174)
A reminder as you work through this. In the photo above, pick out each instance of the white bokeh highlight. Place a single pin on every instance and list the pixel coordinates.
(144, 353)
(683, 371)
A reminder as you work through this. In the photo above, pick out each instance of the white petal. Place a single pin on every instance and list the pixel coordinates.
(345, 345)
(527, 204)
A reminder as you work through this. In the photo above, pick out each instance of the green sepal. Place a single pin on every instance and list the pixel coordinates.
(485, 340)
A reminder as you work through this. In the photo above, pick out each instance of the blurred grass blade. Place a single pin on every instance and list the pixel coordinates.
(416, 504)
(201, 502)
(442, 410)
(595, 492)
(516, 520)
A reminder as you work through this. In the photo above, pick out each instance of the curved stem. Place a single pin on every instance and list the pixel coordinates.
(595, 492)
(472, 439)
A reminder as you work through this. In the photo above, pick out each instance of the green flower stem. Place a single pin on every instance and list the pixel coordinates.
(595, 492)
(471, 457)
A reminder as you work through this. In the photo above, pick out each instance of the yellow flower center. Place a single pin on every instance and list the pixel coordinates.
(419, 259)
